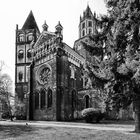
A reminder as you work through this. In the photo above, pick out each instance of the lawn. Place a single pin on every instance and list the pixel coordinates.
(41, 132)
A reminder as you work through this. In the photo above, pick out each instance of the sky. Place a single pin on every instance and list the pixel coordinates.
(14, 12)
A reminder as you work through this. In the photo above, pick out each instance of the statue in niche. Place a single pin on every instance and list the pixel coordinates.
(72, 68)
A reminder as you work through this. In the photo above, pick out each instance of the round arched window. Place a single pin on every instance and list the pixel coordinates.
(83, 33)
(49, 98)
(30, 37)
(90, 31)
(20, 76)
(29, 53)
(36, 100)
(43, 101)
(20, 54)
(21, 38)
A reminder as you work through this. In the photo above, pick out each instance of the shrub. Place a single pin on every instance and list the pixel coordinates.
(20, 117)
(5, 115)
(90, 114)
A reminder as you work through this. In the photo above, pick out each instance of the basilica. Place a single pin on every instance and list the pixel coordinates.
(49, 80)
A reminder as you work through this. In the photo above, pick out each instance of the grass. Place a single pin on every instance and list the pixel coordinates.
(41, 132)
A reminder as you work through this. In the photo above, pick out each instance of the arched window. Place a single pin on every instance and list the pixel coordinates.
(20, 76)
(20, 54)
(21, 38)
(83, 25)
(49, 98)
(87, 101)
(29, 53)
(74, 97)
(83, 33)
(30, 37)
(36, 100)
(43, 101)
(89, 31)
(89, 23)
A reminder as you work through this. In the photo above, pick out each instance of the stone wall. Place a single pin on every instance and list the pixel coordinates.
(45, 113)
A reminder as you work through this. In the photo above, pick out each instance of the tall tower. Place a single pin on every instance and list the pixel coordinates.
(87, 23)
(87, 28)
(25, 38)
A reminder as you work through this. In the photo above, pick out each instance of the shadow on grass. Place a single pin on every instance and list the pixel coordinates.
(118, 122)
(121, 122)
(15, 130)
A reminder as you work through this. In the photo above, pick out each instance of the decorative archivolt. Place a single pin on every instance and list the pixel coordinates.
(44, 74)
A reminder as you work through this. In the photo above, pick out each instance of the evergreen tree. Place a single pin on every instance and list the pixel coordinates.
(125, 43)
(119, 69)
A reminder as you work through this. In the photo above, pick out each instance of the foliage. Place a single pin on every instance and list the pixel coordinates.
(6, 91)
(119, 68)
(5, 115)
(90, 114)
(20, 113)
(125, 31)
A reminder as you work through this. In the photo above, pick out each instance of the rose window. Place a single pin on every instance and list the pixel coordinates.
(44, 75)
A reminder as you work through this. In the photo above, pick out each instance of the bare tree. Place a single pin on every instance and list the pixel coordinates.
(6, 91)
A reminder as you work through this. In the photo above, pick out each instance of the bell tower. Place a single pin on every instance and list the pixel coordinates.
(25, 38)
(87, 23)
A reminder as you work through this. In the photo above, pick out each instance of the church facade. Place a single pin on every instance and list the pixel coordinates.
(49, 80)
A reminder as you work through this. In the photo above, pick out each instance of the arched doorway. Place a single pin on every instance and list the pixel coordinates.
(87, 101)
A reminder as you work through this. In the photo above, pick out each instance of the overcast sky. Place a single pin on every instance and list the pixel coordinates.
(14, 12)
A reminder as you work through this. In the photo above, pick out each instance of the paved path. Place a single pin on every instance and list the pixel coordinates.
(114, 127)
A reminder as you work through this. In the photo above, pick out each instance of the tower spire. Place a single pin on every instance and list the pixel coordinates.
(87, 3)
(87, 24)
(30, 22)
(58, 31)
(45, 26)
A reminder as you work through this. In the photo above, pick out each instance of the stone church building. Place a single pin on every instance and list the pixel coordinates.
(49, 79)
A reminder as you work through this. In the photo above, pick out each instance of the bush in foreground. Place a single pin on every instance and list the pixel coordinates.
(90, 114)
(5, 115)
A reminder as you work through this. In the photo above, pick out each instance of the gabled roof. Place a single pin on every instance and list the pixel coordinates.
(44, 36)
(30, 22)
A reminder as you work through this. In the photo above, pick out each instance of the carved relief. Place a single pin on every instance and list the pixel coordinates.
(73, 69)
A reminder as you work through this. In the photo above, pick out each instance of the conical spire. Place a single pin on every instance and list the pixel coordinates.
(30, 22)
(88, 12)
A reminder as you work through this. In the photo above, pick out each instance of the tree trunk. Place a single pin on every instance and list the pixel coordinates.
(137, 114)
(9, 107)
